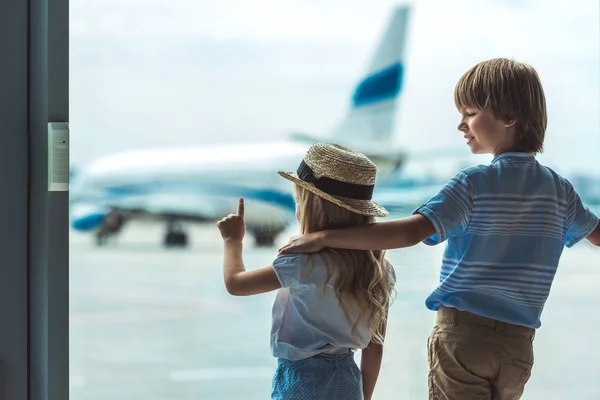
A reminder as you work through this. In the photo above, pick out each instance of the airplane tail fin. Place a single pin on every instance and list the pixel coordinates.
(369, 124)
(373, 107)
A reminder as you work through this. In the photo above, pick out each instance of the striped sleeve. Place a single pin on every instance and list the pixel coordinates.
(580, 221)
(450, 209)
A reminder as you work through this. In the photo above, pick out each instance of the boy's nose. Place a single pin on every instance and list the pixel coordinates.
(462, 126)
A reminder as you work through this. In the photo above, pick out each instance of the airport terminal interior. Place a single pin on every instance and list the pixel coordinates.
(131, 127)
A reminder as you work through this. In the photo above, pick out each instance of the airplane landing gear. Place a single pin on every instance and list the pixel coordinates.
(264, 241)
(101, 238)
(175, 236)
(112, 225)
(265, 237)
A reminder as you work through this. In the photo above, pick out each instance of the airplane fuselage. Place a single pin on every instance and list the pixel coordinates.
(200, 181)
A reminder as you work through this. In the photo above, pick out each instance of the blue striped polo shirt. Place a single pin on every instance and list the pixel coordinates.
(506, 225)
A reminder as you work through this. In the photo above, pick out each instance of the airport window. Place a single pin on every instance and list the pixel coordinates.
(176, 111)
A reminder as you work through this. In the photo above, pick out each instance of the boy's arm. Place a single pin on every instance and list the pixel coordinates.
(594, 237)
(581, 222)
(404, 232)
(444, 215)
(370, 365)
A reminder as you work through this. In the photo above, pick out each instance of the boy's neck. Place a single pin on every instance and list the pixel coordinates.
(511, 148)
(519, 154)
(499, 153)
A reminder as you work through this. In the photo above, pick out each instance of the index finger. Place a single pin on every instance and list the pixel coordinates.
(240, 209)
(285, 249)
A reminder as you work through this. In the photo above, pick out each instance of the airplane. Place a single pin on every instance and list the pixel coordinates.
(202, 184)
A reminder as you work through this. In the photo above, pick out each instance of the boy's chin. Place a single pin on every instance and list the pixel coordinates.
(478, 150)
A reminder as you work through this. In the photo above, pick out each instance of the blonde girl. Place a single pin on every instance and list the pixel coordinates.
(329, 304)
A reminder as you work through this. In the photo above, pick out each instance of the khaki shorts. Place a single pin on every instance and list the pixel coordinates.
(472, 357)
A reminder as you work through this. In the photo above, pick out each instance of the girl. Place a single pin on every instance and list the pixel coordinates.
(329, 304)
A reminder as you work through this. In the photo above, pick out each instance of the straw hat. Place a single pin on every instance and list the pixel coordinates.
(339, 175)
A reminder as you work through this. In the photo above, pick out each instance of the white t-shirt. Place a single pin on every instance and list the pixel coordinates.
(306, 319)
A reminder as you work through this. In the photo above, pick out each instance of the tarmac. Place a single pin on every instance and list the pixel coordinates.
(157, 324)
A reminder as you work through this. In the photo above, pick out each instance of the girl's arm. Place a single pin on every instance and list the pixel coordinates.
(240, 282)
(370, 364)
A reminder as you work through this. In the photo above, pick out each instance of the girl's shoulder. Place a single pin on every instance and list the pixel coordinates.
(290, 268)
(298, 261)
(284, 260)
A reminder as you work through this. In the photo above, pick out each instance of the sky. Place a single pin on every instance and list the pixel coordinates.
(182, 73)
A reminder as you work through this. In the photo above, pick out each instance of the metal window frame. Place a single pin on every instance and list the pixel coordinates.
(34, 233)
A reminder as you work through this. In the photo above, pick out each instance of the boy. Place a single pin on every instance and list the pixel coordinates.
(506, 224)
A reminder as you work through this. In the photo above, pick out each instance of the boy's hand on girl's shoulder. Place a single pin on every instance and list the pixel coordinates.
(309, 243)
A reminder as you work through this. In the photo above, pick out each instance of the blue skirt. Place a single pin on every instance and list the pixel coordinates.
(322, 377)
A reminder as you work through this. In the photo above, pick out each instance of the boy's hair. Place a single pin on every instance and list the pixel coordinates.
(363, 281)
(510, 90)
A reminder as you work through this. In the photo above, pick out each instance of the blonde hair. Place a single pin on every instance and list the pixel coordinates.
(510, 90)
(363, 280)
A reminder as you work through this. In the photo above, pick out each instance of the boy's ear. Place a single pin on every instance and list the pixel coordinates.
(510, 123)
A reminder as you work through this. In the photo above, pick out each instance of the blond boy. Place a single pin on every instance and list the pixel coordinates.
(505, 224)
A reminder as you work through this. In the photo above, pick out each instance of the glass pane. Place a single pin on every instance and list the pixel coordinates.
(179, 108)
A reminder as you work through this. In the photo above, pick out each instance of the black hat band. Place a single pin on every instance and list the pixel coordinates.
(335, 187)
